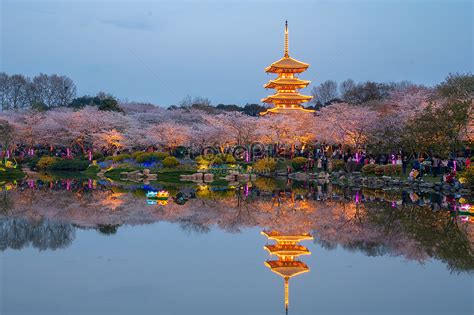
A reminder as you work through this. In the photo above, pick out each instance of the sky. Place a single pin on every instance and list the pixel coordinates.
(162, 51)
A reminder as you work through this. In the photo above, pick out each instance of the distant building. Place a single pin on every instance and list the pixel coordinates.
(287, 97)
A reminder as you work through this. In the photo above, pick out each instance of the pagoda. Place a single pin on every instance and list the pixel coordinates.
(287, 250)
(287, 84)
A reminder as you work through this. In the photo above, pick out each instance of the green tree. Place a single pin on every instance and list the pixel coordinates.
(457, 86)
(439, 129)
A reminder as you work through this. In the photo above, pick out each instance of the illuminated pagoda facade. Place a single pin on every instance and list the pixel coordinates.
(287, 84)
(287, 250)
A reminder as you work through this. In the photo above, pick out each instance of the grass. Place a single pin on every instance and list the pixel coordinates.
(91, 171)
(172, 176)
(166, 175)
(114, 173)
(11, 174)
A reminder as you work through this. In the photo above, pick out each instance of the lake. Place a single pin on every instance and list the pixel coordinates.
(74, 246)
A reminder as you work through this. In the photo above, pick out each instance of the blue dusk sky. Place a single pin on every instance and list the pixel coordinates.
(161, 51)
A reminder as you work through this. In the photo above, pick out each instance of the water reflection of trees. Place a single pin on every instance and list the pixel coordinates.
(20, 233)
(362, 222)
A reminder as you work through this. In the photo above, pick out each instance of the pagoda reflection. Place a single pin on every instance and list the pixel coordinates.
(287, 249)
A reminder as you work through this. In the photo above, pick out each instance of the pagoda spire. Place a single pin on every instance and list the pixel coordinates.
(286, 39)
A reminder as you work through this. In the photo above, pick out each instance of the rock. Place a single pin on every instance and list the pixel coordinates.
(208, 178)
(198, 177)
(243, 177)
(426, 185)
(445, 187)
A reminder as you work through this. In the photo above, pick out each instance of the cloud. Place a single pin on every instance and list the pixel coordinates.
(128, 24)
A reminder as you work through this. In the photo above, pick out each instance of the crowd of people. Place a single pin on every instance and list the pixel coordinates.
(323, 157)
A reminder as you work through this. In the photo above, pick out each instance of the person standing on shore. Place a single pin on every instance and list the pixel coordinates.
(404, 164)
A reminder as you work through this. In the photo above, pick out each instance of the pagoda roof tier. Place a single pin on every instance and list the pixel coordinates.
(287, 250)
(287, 64)
(279, 237)
(281, 109)
(281, 82)
(287, 269)
(287, 97)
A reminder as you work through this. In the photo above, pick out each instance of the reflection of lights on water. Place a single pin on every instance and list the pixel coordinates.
(157, 197)
(151, 194)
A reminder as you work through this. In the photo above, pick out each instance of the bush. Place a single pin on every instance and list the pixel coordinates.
(265, 164)
(97, 156)
(369, 168)
(379, 170)
(467, 176)
(46, 161)
(228, 158)
(120, 157)
(218, 159)
(137, 154)
(170, 161)
(392, 169)
(159, 155)
(32, 162)
(69, 165)
(145, 157)
(338, 165)
(298, 162)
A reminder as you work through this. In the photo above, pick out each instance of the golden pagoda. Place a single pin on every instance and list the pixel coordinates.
(287, 83)
(287, 250)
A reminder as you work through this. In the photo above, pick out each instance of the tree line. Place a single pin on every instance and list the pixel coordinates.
(18, 92)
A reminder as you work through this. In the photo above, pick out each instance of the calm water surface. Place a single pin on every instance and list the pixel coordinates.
(70, 247)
